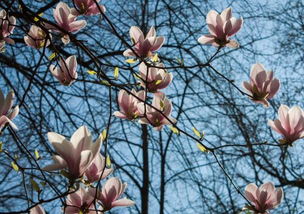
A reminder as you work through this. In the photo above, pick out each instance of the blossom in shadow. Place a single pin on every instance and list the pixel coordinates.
(97, 170)
(81, 201)
(37, 38)
(128, 104)
(67, 21)
(87, 7)
(158, 116)
(66, 72)
(7, 26)
(154, 78)
(110, 194)
(144, 46)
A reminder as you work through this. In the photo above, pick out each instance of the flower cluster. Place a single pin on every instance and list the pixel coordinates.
(153, 77)
(66, 23)
(261, 88)
(81, 158)
(83, 200)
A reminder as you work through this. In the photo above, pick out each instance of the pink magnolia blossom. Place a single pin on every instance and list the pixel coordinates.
(290, 124)
(144, 46)
(77, 154)
(157, 78)
(66, 72)
(154, 117)
(67, 21)
(37, 210)
(96, 169)
(87, 7)
(263, 198)
(262, 86)
(221, 27)
(7, 112)
(36, 38)
(110, 194)
(7, 26)
(128, 104)
(81, 201)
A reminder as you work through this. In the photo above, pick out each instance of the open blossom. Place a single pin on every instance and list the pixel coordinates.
(144, 46)
(36, 38)
(128, 104)
(157, 78)
(37, 210)
(67, 21)
(81, 201)
(7, 112)
(110, 194)
(157, 118)
(7, 26)
(66, 72)
(77, 154)
(262, 86)
(96, 169)
(290, 124)
(263, 198)
(221, 27)
(87, 7)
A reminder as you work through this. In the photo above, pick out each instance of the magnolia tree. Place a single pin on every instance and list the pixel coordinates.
(84, 110)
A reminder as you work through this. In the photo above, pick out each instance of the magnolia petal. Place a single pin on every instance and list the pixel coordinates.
(8, 102)
(236, 25)
(151, 33)
(86, 158)
(136, 34)
(37, 210)
(123, 202)
(9, 41)
(128, 52)
(81, 138)
(158, 43)
(206, 39)
(13, 113)
(226, 14)
(250, 192)
(77, 25)
(232, 44)
(2, 100)
(211, 17)
(119, 115)
(273, 88)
